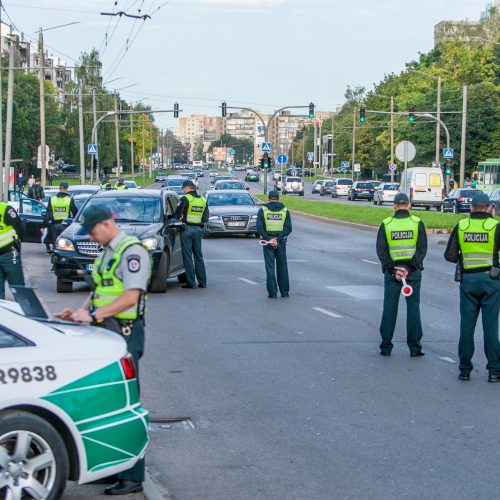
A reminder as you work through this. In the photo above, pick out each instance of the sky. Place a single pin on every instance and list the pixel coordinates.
(262, 54)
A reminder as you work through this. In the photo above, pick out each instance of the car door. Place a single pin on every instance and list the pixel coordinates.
(31, 213)
(174, 235)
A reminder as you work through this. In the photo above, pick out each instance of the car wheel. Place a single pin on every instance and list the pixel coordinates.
(34, 455)
(428, 207)
(321, 193)
(159, 280)
(301, 194)
(181, 278)
(64, 286)
(455, 209)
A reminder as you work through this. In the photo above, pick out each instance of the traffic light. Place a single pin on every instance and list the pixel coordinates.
(311, 110)
(411, 114)
(176, 110)
(224, 110)
(447, 170)
(362, 111)
(264, 162)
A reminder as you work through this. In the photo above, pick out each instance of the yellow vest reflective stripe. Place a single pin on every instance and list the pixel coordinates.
(477, 242)
(7, 233)
(402, 235)
(274, 222)
(106, 186)
(108, 286)
(196, 207)
(120, 186)
(60, 207)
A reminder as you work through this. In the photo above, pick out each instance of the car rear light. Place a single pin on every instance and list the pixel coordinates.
(461, 198)
(128, 366)
(411, 194)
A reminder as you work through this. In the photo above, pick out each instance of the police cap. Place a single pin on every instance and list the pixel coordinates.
(64, 185)
(91, 216)
(274, 195)
(481, 200)
(189, 184)
(401, 199)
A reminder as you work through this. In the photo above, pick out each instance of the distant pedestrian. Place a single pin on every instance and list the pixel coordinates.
(193, 211)
(474, 245)
(401, 248)
(49, 177)
(31, 181)
(467, 183)
(274, 225)
(21, 182)
(36, 190)
(473, 184)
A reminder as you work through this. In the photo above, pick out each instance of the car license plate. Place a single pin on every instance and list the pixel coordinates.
(89, 267)
(236, 224)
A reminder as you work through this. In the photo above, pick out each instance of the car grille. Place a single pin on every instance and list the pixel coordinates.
(235, 222)
(88, 248)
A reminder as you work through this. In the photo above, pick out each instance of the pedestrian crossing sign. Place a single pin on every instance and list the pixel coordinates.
(266, 147)
(92, 149)
(448, 153)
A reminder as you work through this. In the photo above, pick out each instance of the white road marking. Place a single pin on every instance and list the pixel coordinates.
(449, 360)
(369, 261)
(363, 292)
(250, 282)
(328, 313)
(249, 261)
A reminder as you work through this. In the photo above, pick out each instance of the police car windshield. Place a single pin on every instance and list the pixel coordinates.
(130, 209)
(175, 182)
(224, 199)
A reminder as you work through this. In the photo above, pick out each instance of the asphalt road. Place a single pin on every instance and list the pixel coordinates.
(289, 398)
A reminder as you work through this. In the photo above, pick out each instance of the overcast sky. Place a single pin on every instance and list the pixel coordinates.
(262, 53)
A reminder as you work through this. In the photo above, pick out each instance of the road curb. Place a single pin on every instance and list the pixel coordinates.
(153, 490)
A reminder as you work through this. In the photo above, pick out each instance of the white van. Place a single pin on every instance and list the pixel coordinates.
(424, 186)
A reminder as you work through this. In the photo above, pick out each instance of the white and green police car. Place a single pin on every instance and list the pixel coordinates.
(69, 406)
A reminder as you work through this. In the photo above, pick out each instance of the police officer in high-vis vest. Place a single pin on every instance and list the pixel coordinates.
(60, 207)
(121, 275)
(11, 234)
(106, 184)
(474, 245)
(274, 225)
(120, 184)
(193, 211)
(401, 248)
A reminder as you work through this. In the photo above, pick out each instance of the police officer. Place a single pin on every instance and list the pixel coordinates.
(11, 234)
(120, 184)
(401, 248)
(106, 184)
(60, 207)
(474, 245)
(274, 224)
(193, 211)
(121, 275)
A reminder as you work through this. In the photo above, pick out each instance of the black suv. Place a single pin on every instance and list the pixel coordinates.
(361, 190)
(141, 213)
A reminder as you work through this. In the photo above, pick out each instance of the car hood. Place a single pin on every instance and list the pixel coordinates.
(234, 210)
(141, 230)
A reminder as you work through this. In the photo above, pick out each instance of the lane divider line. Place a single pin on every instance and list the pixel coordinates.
(369, 261)
(328, 313)
(250, 282)
(448, 360)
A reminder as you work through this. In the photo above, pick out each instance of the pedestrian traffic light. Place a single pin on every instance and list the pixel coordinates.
(224, 109)
(362, 111)
(411, 114)
(176, 110)
(311, 110)
(264, 162)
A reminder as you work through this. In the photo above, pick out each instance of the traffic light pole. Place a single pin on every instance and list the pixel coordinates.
(265, 125)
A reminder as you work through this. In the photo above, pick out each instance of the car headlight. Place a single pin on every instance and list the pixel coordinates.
(253, 217)
(150, 243)
(64, 244)
(214, 217)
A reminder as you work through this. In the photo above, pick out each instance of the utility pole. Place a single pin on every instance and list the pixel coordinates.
(117, 137)
(96, 156)
(150, 149)
(353, 140)
(80, 127)
(143, 161)
(332, 148)
(464, 136)
(320, 147)
(41, 61)
(8, 128)
(438, 123)
(315, 149)
(392, 137)
(132, 146)
(3, 174)
(304, 149)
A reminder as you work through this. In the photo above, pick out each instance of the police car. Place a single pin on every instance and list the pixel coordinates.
(69, 406)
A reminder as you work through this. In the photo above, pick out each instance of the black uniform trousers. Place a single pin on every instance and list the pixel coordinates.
(276, 267)
(392, 292)
(192, 256)
(479, 292)
(135, 345)
(10, 271)
(53, 232)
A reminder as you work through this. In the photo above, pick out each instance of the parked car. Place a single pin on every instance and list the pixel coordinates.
(230, 184)
(495, 201)
(252, 176)
(459, 200)
(69, 405)
(317, 186)
(385, 193)
(132, 185)
(424, 186)
(141, 213)
(361, 190)
(231, 212)
(70, 169)
(342, 186)
(327, 188)
(293, 185)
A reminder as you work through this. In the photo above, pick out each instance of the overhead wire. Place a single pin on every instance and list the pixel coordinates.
(105, 40)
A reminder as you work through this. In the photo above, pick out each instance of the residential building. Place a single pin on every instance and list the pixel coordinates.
(447, 31)
(195, 128)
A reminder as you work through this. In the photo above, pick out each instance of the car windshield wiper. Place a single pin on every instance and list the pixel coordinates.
(126, 220)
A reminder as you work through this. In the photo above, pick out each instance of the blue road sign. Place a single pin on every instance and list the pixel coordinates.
(282, 159)
(310, 155)
(448, 153)
(92, 149)
(231, 152)
(392, 166)
(267, 147)
(345, 164)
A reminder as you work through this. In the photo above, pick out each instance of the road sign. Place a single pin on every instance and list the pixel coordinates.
(282, 159)
(405, 151)
(310, 155)
(345, 164)
(231, 152)
(393, 166)
(448, 153)
(357, 167)
(232, 171)
(267, 147)
(91, 149)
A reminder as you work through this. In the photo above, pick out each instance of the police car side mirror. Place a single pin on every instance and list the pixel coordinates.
(43, 213)
(67, 222)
